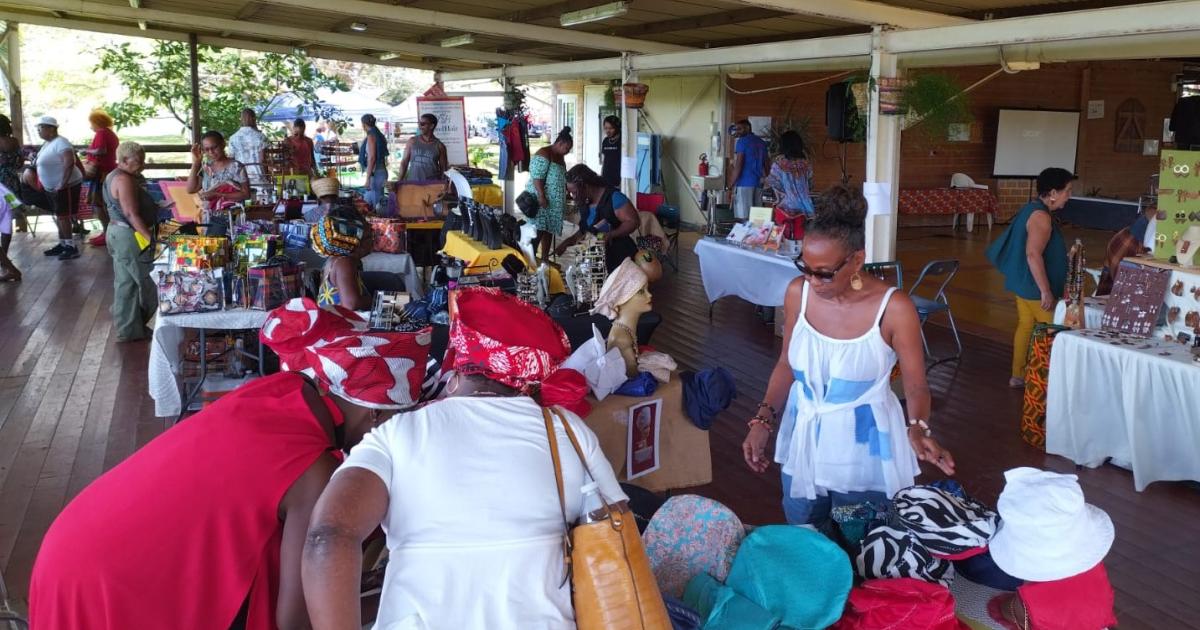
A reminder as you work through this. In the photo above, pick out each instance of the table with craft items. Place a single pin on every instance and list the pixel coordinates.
(1131, 400)
(400, 264)
(1181, 302)
(953, 201)
(758, 277)
(171, 397)
(684, 457)
(1093, 311)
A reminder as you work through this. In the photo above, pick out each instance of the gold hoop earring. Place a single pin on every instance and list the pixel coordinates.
(453, 385)
(856, 282)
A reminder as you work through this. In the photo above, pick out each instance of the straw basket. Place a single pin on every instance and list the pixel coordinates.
(633, 95)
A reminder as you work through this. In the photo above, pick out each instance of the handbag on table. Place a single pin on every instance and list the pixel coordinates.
(271, 286)
(612, 585)
(194, 291)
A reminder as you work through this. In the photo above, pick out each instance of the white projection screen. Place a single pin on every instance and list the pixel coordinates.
(1029, 141)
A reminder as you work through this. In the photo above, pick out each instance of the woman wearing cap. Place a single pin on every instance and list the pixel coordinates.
(344, 237)
(843, 436)
(223, 181)
(547, 180)
(465, 488)
(605, 211)
(203, 527)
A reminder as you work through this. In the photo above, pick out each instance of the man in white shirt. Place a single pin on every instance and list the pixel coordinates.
(59, 173)
(247, 145)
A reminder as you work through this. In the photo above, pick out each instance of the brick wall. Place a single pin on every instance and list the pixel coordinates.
(926, 164)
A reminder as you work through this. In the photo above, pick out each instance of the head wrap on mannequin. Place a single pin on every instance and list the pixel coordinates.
(625, 281)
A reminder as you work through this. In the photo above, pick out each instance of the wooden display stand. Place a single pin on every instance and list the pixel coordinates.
(685, 459)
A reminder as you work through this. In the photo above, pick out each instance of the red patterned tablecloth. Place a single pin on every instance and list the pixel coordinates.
(946, 201)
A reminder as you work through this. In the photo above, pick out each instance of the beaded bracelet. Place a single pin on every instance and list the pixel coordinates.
(766, 424)
(924, 426)
(774, 414)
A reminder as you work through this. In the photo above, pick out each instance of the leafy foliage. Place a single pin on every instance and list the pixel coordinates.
(230, 80)
(937, 102)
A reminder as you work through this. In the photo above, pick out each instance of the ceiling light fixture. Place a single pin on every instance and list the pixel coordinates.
(389, 56)
(594, 14)
(358, 26)
(458, 40)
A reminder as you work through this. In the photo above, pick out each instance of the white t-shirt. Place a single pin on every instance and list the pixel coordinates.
(473, 525)
(55, 163)
(246, 145)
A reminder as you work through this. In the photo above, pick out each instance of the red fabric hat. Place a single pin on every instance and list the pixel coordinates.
(378, 370)
(514, 343)
(900, 603)
(300, 323)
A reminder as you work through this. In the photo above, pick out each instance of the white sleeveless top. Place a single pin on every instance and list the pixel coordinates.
(843, 429)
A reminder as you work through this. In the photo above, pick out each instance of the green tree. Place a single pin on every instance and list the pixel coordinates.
(230, 80)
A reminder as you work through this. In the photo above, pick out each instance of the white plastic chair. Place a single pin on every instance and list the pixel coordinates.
(962, 180)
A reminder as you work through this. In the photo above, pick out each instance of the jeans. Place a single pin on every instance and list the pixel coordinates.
(1029, 314)
(743, 198)
(375, 184)
(799, 511)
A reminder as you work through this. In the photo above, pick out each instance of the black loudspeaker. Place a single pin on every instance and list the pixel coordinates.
(839, 110)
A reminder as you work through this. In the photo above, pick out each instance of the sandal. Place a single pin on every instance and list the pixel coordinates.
(11, 275)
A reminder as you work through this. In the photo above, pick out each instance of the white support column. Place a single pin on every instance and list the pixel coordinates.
(883, 155)
(510, 193)
(13, 81)
(629, 131)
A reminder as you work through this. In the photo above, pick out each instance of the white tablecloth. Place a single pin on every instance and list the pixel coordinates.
(757, 277)
(1093, 312)
(164, 349)
(1122, 397)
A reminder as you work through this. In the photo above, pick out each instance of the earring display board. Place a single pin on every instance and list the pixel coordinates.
(1178, 206)
(1136, 299)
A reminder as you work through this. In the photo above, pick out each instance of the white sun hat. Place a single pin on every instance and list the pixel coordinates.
(48, 121)
(1047, 532)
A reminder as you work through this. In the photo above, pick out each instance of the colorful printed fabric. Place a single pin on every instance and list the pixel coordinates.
(1037, 373)
(554, 176)
(946, 201)
(516, 344)
(690, 535)
(337, 235)
(293, 327)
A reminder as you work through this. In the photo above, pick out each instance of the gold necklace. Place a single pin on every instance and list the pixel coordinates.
(632, 336)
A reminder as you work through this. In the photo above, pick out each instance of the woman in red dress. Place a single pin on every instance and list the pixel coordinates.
(204, 526)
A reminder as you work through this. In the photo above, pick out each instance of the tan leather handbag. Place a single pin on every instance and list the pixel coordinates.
(612, 585)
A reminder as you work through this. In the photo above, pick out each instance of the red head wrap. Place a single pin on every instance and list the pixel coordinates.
(379, 370)
(516, 344)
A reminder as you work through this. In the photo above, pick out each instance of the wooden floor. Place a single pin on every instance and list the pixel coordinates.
(73, 403)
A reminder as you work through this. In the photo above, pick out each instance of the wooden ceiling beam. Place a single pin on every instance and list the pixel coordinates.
(481, 26)
(711, 20)
(246, 28)
(860, 12)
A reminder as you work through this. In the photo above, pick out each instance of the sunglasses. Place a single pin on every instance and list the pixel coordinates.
(823, 276)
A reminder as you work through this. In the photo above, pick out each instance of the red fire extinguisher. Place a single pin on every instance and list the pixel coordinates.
(703, 168)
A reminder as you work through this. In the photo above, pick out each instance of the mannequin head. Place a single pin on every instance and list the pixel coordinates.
(626, 292)
(637, 304)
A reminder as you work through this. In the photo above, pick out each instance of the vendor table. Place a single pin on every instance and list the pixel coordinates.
(685, 459)
(953, 201)
(164, 352)
(1093, 312)
(478, 257)
(757, 277)
(1132, 400)
(399, 264)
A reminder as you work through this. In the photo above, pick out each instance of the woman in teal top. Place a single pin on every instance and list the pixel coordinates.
(1032, 255)
(548, 180)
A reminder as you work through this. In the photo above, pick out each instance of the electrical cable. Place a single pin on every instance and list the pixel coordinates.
(787, 87)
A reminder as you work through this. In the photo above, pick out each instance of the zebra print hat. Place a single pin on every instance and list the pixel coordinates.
(888, 552)
(945, 524)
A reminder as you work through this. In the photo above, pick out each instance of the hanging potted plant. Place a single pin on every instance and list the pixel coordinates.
(633, 95)
(931, 103)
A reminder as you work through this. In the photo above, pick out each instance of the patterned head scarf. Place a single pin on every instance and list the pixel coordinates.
(626, 280)
(339, 233)
(377, 370)
(516, 344)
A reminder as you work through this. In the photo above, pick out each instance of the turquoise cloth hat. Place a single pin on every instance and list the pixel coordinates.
(796, 573)
(722, 608)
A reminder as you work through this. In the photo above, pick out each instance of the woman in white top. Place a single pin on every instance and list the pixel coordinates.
(843, 436)
(465, 490)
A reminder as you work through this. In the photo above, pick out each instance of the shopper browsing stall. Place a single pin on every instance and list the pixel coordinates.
(610, 152)
(132, 214)
(372, 158)
(608, 213)
(1032, 255)
(59, 173)
(247, 145)
(441, 480)
(203, 527)
(748, 169)
(300, 150)
(547, 180)
(843, 436)
(100, 160)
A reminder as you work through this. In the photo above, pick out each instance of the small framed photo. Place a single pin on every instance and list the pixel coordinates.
(641, 448)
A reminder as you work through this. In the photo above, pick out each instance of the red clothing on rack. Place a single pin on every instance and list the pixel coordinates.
(187, 529)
